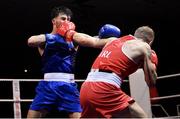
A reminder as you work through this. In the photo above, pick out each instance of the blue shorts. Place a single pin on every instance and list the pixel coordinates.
(57, 94)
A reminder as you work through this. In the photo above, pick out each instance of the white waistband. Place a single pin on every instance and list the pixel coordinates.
(59, 77)
(111, 78)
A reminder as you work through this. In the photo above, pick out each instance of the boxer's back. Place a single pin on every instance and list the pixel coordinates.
(114, 58)
(134, 49)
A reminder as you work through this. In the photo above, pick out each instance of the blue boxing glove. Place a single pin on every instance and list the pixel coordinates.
(109, 30)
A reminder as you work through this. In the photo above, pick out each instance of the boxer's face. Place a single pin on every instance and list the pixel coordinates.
(59, 19)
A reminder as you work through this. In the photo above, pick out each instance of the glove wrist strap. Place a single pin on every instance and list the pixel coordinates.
(69, 35)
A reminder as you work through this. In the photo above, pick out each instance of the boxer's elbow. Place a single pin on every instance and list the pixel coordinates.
(33, 41)
(30, 42)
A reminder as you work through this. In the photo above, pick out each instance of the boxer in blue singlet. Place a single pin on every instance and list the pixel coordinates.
(58, 88)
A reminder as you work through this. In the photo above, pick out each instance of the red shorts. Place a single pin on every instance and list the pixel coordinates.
(100, 99)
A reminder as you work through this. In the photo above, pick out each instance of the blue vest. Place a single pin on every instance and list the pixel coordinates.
(58, 55)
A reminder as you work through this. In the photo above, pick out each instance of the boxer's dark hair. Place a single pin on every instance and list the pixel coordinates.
(61, 9)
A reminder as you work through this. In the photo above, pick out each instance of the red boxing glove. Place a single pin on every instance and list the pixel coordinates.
(154, 58)
(66, 29)
(153, 93)
(153, 90)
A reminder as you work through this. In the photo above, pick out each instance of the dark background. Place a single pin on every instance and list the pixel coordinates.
(19, 19)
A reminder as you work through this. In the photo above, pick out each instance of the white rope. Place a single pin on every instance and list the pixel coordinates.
(16, 92)
(30, 100)
(20, 79)
(169, 76)
(77, 80)
(12, 100)
(165, 97)
(82, 80)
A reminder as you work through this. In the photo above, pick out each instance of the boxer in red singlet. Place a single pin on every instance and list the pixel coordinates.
(101, 95)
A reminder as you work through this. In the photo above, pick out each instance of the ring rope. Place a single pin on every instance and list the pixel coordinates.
(16, 92)
(81, 80)
(168, 76)
(165, 97)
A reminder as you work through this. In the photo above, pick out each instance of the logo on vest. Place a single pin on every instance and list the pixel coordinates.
(105, 54)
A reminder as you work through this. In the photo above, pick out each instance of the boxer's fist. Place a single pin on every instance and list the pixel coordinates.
(153, 89)
(153, 93)
(66, 29)
(109, 30)
(154, 58)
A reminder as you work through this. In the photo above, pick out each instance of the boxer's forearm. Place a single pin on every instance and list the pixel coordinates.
(89, 41)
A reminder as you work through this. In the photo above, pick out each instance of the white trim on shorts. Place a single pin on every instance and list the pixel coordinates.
(111, 78)
(65, 77)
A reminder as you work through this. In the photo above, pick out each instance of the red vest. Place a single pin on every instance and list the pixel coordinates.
(113, 59)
